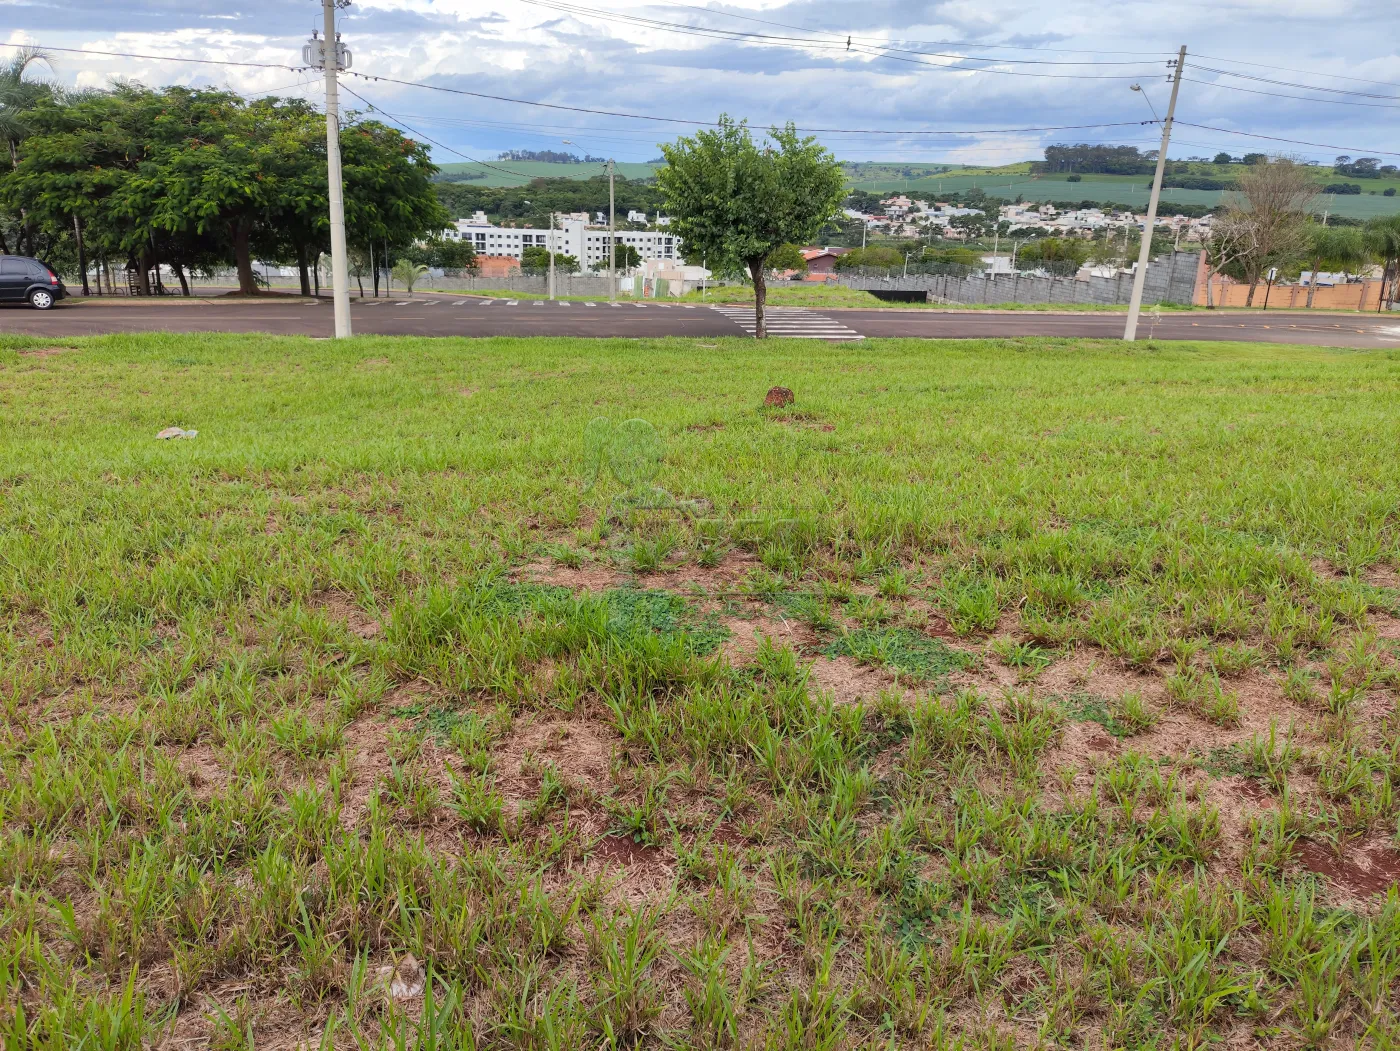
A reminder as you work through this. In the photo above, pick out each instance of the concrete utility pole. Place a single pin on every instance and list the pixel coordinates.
(551, 253)
(612, 236)
(330, 56)
(1145, 249)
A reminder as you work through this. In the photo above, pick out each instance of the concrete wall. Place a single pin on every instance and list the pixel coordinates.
(1356, 295)
(1170, 279)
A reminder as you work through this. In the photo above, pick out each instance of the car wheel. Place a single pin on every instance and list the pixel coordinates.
(41, 299)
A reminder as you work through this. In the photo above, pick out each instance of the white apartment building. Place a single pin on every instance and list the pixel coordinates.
(571, 236)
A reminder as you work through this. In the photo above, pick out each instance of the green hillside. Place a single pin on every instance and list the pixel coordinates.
(497, 174)
(1009, 181)
(1015, 180)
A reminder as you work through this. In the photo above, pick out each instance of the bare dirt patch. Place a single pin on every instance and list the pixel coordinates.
(1362, 870)
(342, 607)
(1381, 576)
(624, 851)
(847, 681)
(591, 577)
(46, 352)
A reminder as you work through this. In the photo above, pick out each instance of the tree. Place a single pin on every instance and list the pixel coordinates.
(19, 98)
(407, 273)
(444, 253)
(625, 256)
(1252, 159)
(1054, 254)
(787, 257)
(1274, 199)
(733, 202)
(536, 257)
(874, 257)
(1221, 158)
(1231, 240)
(1341, 247)
(1382, 236)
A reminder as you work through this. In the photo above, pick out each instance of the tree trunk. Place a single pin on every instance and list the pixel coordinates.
(1249, 299)
(4, 247)
(240, 229)
(143, 275)
(179, 269)
(301, 270)
(24, 233)
(760, 297)
(1312, 282)
(359, 280)
(82, 258)
(1210, 293)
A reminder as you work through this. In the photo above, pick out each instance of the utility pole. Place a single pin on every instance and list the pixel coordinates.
(612, 236)
(551, 253)
(330, 55)
(1145, 248)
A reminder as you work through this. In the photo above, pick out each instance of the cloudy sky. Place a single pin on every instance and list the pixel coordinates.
(944, 81)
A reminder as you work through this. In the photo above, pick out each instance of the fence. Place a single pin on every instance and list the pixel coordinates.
(1169, 279)
(1354, 295)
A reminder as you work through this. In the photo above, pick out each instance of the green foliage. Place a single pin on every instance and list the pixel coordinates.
(536, 257)
(787, 257)
(1057, 251)
(902, 650)
(735, 204)
(198, 178)
(873, 256)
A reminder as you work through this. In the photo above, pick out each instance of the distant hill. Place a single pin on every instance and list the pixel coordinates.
(497, 173)
(1008, 180)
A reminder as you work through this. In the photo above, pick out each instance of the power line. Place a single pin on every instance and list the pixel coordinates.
(165, 58)
(715, 124)
(485, 164)
(833, 45)
(930, 43)
(1294, 84)
(1306, 72)
(1297, 142)
(1281, 95)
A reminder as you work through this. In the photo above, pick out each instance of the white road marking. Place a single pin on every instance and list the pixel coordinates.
(792, 322)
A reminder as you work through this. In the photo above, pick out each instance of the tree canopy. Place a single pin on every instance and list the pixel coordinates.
(196, 178)
(734, 202)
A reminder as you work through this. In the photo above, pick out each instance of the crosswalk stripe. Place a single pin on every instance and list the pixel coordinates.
(796, 322)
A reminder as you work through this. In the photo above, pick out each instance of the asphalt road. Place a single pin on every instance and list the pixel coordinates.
(443, 315)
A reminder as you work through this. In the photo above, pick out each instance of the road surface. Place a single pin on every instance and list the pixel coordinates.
(446, 315)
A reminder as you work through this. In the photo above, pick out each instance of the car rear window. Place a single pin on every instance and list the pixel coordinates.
(14, 266)
(38, 270)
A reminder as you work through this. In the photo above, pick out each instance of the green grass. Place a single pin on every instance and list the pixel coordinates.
(365, 671)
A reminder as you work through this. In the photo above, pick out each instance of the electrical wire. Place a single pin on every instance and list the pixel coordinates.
(1297, 142)
(715, 124)
(165, 58)
(1294, 84)
(833, 45)
(485, 164)
(1280, 95)
(930, 43)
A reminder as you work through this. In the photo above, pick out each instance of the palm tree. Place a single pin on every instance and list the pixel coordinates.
(18, 99)
(1383, 238)
(1342, 247)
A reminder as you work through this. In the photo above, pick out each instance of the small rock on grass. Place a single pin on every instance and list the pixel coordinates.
(779, 397)
(403, 980)
(175, 432)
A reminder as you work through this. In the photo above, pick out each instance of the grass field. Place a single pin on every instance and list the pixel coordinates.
(993, 695)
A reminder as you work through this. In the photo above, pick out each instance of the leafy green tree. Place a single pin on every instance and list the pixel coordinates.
(1383, 240)
(787, 257)
(444, 253)
(1339, 247)
(874, 257)
(536, 257)
(19, 98)
(733, 202)
(1055, 254)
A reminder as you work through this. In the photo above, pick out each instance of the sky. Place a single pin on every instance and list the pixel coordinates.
(985, 82)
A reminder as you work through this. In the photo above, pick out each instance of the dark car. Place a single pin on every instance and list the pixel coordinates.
(26, 280)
